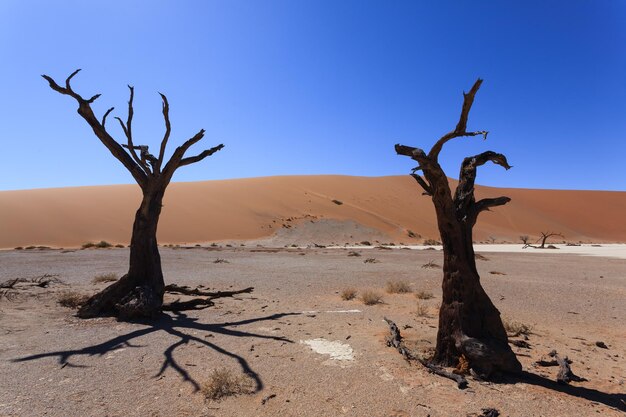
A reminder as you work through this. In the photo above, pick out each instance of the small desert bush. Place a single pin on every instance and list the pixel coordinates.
(516, 328)
(412, 234)
(224, 383)
(424, 295)
(348, 294)
(431, 265)
(353, 253)
(119, 245)
(72, 299)
(481, 257)
(100, 245)
(397, 287)
(371, 261)
(110, 277)
(338, 202)
(370, 297)
(496, 273)
(421, 309)
(220, 261)
(431, 242)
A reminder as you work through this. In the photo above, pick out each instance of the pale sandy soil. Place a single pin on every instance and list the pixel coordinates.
(56, 365)
(372, 208)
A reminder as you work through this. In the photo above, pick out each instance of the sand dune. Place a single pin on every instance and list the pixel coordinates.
(300, 209)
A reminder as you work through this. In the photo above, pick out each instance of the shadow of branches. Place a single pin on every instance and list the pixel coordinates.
(617, 401)
(178, 325)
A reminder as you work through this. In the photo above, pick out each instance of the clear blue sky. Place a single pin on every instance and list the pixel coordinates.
(319, 87)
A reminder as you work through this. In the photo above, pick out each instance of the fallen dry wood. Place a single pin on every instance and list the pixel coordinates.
(395, 340)
(565, 374)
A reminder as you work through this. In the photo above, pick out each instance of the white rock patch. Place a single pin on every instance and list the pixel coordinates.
(336, 350)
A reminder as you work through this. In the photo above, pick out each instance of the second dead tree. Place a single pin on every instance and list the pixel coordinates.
(469, 323)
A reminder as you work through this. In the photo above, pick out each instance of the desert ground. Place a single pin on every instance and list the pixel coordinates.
(308, 351)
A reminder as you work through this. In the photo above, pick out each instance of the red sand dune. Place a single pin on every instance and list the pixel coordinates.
(256, 208)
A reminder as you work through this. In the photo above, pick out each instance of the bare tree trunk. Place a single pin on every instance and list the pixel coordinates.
(469, 323)
(139, 293)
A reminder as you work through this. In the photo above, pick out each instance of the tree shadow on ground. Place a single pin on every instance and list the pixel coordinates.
(617, 401)
(174, 324)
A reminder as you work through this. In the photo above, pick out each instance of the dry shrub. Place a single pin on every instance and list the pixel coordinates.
(220, 261)
(481, 257)
(110, 277)
(431, 242)
(348, 294)
(338, 202)
(370, 297)
(397, 287)
(421, 309)
(353, 253)
(224, 383)
(424, 295)
(516, 328)
(431, 265)
(496, 273)
(72, 299)
(100, 245)
(371, 261)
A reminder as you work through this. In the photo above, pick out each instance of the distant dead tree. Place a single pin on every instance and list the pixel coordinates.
(139, 293)
(524, 239)
(545, 236)
(469, 323)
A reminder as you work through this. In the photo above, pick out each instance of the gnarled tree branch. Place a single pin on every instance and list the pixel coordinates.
(464, 194)
(201, 156)
(168, 130)
(461, 127)
(85, 111)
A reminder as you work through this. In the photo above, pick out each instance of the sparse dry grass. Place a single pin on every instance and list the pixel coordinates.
(100, 245)
(397, 287)
(431, 265)
(421, 309)
(516, 328)
(110, 277)
(220, 261)
(72, 299)
(348, 294)
(371, 297)
(371, 261)
(224, 383)
(424, 295)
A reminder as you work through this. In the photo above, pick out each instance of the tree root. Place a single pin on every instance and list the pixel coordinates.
(395, 340)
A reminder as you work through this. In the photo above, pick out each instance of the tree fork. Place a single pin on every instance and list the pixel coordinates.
(469, 323)
(139, 293)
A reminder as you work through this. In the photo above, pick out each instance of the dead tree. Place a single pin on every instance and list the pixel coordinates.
(469, 323)
(139, 293)
(545, 236)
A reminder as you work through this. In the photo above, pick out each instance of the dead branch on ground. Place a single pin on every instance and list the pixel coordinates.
(395, 340)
